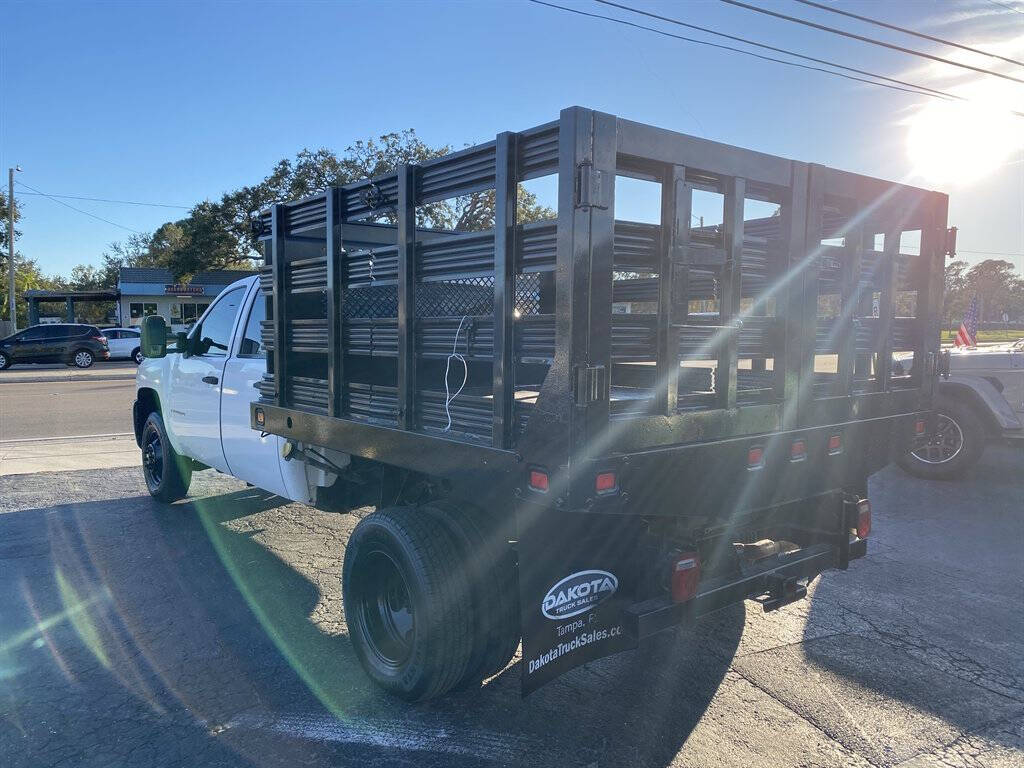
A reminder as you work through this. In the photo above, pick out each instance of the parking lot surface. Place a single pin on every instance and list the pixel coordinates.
(211, 633)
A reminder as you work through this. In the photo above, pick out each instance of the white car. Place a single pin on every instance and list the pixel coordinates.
(981, 400)
(124, 343)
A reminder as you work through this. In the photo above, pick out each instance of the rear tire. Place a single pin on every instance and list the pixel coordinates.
(168, 475)
(960, 438)
(5, 361)
(491, 569)
(82, 358)
(408, 609)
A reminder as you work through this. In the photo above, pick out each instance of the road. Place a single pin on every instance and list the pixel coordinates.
(45, 409)
(211, 633)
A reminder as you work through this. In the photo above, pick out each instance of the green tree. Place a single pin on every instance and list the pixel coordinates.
(4, 214)
(27, 277)
(995, 282)
(954, 301)
(998, 287)
(220, 235)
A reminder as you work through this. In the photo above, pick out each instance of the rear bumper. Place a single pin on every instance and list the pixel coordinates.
(774, 581)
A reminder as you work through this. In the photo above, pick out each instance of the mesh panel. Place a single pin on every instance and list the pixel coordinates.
(467, 296)
(464, 296)
(371, 301)
(527, 295)
(446, 298)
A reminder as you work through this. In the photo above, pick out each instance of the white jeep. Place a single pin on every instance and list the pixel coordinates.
(982, 400)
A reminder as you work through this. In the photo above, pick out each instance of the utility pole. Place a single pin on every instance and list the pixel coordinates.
(10, 248)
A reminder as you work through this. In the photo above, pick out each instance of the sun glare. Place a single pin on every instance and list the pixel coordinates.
(957, 144)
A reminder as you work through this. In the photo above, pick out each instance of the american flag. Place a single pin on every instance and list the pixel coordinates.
(967, 336)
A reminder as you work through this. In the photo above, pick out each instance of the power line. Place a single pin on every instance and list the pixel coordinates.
(1007, 7)
(871, 40)
(989, 253)
(920, 90)
(904, 30)
(107, 200)
(911, 89)
(79, 210)
(747, 41)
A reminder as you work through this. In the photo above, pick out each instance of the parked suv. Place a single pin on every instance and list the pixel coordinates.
(78, 345)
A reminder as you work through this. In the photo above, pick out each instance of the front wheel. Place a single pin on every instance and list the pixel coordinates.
(955, 447)
(167, 474)
(5, 361)
(407, 608)
(137, 356)
(82, 358)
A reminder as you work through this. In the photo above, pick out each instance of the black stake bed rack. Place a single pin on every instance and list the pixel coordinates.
(761, 300)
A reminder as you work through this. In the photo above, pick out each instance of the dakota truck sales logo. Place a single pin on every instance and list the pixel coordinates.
(578, 593)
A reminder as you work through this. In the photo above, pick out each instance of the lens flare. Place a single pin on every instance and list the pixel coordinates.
(952, 143)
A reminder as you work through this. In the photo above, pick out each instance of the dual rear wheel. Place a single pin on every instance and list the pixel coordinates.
(430, 599)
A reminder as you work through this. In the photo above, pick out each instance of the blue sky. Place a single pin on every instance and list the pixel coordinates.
(174, 103)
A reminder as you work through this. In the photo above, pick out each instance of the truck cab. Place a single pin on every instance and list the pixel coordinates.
(192, 404)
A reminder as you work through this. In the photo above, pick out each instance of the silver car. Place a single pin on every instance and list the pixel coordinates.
(982, 400)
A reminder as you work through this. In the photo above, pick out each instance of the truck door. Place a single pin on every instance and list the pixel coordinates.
(250, 456)
(194, 408)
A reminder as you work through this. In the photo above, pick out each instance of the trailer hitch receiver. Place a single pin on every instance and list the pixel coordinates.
(782, 591)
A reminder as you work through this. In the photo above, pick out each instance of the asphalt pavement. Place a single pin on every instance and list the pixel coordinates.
(64, 408)
(211, 633)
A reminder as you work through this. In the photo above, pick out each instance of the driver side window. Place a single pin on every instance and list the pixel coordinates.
(213, 334)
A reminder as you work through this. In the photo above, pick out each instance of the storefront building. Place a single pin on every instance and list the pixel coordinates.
(154, 292)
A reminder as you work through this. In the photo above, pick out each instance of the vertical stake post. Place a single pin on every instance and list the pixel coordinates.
(280, 291)
(335, 310)
(506, 200)
(406, 296)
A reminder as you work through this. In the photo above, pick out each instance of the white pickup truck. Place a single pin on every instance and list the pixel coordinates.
(192, 407)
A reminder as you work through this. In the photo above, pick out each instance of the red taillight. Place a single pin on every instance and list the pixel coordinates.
(539, 480)
(835, 445)
(755, 457)
(605, 482)
(863, 518)
(919, 427)
(685, 576)
(798, 451)
(101, 339)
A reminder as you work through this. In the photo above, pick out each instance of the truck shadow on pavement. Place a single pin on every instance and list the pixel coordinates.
(211, 632)
(920, 642)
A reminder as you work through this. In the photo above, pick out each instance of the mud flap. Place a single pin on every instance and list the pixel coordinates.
(577, 574)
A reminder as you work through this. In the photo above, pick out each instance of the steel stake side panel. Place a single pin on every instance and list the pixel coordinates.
(361, 313)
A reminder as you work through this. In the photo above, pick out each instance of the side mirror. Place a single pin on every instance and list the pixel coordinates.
(154, 336)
